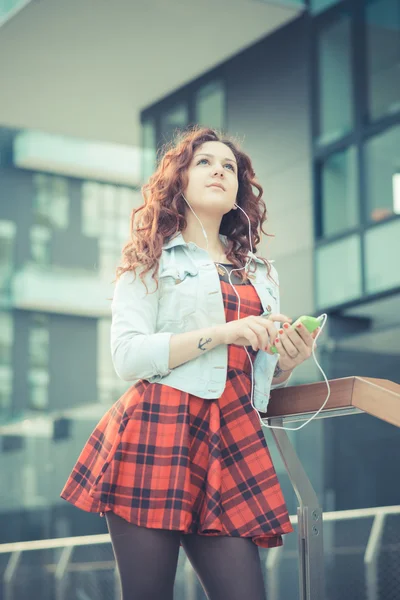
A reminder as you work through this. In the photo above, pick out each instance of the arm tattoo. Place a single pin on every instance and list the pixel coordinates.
(202, 344)
(278, 371)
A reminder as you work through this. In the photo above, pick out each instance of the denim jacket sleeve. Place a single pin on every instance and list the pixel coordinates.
(137, 351)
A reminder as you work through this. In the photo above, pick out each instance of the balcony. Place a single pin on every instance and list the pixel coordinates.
(64, 291)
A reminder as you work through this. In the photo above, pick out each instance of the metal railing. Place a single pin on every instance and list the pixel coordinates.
(361, 557)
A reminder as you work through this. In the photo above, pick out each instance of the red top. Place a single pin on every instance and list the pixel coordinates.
(164, 458)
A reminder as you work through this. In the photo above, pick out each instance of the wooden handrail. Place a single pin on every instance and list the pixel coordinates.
(377, 397)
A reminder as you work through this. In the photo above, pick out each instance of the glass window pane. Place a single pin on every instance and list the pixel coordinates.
(382, 251)
(383, 56)
(149, 149)
(339, 193)
(335, 89)
(210, 105)
(173, 120)
(40, 238)
(6, 338)
(42, 199)
(38, 381)
(339, 272)
(7, 247)
(90, 205)
(60, 203)
(6, 376)
(39, 342)
(382, 162)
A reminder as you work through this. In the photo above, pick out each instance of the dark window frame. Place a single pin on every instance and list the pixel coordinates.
(364, 130)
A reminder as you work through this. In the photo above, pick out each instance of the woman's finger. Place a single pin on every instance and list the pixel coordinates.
(279, 317)
(303, 333)
(291, 350)
(262, 334)
(252, 339)
(301, 344)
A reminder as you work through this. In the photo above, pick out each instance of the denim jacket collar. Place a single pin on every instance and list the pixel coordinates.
(178, 240)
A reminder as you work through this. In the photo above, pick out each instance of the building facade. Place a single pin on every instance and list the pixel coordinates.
(316, 105)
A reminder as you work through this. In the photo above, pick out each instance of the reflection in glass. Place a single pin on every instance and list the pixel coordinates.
(334, 77)
(210, 105)
(172, 121)
(382, 162)
(339, 193)
(339, 272)
(382, 251)
(383, 56)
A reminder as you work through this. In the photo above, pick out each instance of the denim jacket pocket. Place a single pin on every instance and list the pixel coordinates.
(178, 293)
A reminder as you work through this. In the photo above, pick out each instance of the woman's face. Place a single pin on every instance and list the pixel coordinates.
(212, 183)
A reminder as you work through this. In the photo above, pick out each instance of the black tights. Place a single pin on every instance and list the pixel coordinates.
(228, 567)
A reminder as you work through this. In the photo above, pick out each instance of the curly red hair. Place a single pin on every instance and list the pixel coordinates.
(163, 212)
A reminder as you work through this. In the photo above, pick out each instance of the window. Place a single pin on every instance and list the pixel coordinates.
(38, 356)
(382, 172)
(383, 56)
(339, 272)
(339, 193)
(382, 249)
(334, 81)
(6, 347)
(210, 105)
(6, 338)
(40, 237)
(50, 201)
(7, 244)
(175, 119)
(106, 212)
(149, 149)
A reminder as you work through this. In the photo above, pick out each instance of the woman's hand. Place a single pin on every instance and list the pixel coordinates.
(294, 345)
(254, 331)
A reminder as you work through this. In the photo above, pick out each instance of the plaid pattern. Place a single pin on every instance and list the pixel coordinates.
(166, 459)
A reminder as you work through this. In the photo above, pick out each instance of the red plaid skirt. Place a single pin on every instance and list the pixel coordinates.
(164, 458)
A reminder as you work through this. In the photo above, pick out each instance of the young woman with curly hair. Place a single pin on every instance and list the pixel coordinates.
(181, 459)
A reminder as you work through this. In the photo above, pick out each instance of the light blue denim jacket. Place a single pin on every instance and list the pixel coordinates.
(189, 297)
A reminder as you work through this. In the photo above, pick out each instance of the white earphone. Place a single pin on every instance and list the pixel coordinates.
(262, 421)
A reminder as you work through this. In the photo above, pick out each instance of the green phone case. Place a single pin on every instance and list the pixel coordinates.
(310, 323)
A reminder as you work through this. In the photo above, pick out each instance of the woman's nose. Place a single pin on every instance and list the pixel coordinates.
(218, 170)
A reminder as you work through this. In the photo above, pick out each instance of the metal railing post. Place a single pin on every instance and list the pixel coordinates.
(9, 574)
(371, 557)
(310, 537)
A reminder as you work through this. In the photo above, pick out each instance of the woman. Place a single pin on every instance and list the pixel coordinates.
(180, 458)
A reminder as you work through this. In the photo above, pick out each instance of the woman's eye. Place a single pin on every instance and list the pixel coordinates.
(202, 160)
